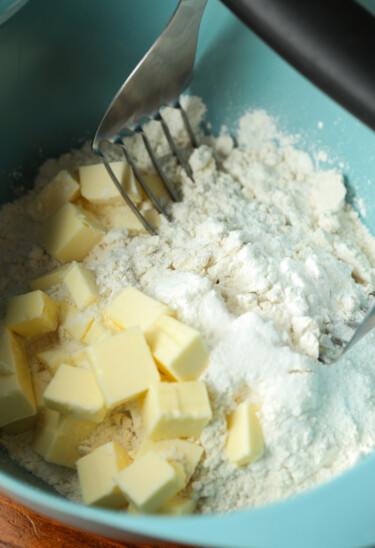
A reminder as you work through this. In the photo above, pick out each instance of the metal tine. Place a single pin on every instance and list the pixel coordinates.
(324, 359)
(337, 341)
(187, 124)
(124, 194)
(364, 308)
(172, 192)
(155, 202)
(352, 325)
(173, 146)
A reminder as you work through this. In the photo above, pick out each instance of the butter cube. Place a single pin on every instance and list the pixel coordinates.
(184, 454)
(132, 307)
(39, 387)
(57, 437)
(175, 506)
(11, 350)
(20, 426)
(123, 217)
(74, 391)
(176, 410)
(17, 400)
(149, 482)
(177, 348)
(123, 366)
(64, 310)
(81, 285)
(152, 217)
(54, 356)
(47, 280)
(245, 438)
(63, 188)
(97, 332)
(77, 323)
(71, 233)
(178, 507)
(157, 187)
(97, 186)
(31, 314)
(96, 472)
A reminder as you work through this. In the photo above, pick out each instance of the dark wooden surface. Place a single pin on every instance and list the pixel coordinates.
(22, 528)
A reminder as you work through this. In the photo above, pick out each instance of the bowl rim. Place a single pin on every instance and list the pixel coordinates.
(337, 514)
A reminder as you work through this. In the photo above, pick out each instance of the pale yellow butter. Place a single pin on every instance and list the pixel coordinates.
(76, 323)
(184, 454)
(152, 217)
(97, 332)
(123, 366)
(17, 399)
(178, 507)
(132, 307)
(245, 437)
(81, 285)
(63, 188)
(11, 350)
(47, 280)
(96, 472)
(75, 392)
(31, 314)
(97, 186)
(57, 437)
(39, 388)
(177, 348)
(54, 356)
(149, 482)
(176, 410)
(71, 233)
(64, 310)
(22, 425)
(157, 187)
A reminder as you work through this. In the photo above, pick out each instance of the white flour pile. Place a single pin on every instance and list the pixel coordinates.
(267, 261)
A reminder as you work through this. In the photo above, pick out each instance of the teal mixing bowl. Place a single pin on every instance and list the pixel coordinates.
(60, 64)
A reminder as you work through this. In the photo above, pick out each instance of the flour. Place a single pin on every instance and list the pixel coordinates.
(268, 262)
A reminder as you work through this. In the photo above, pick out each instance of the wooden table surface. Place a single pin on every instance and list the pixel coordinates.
(22, 528)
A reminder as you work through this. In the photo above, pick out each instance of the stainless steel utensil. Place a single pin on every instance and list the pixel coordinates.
(342, 346)
(166, 71)
(159, 79)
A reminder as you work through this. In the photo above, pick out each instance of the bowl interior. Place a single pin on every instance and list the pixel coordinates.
(61, 63)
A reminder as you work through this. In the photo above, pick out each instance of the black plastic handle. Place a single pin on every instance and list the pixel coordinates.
(331, 42)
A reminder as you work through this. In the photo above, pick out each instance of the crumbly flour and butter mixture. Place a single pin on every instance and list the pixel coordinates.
(266, 259)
